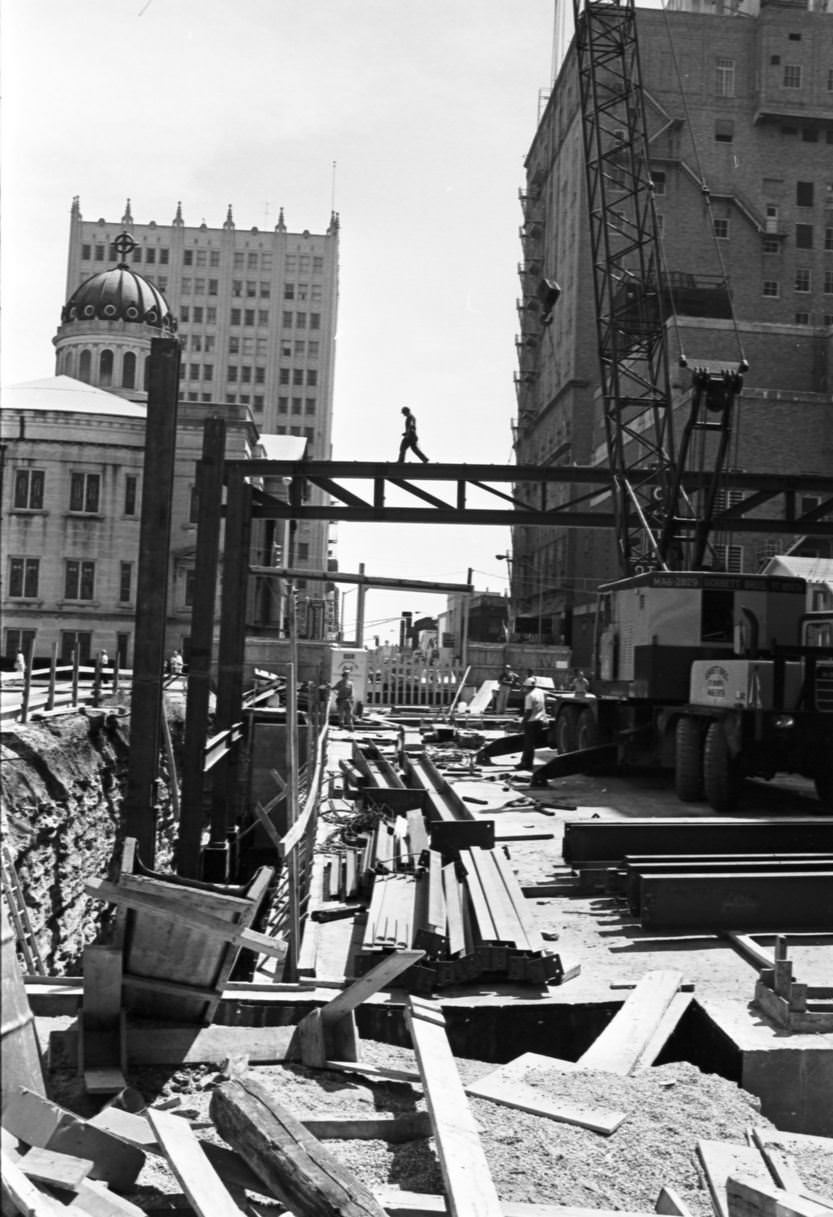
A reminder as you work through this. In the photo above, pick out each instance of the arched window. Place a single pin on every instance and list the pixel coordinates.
(85, 366)
(128, 372)
(105, 369)
(146, 375)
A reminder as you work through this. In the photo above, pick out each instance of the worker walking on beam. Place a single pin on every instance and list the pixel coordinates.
(409, 437)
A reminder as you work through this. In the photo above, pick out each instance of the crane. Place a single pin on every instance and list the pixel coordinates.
(658, 525)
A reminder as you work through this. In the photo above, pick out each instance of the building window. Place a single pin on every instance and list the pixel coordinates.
(771, 289)
(772, 245)
(828, 239)
(303, 551)
(260, 376)
(99, 253)
(130, 483)
(309, 405)
(315, 294)
(828, 283)
(125, 581)
(214, 258)
(150, 256)
(792, 75)
(301, 321)
(239, 261)
(659, 183)
(297, 376)
(213, 285)
(28, 489)
(803, 279)
(190, 580)
(86, 253)
(287, 320)
(105, 368)
(84, 492)
(184, 313)
(251, 289)
(283, 376)
(23, 577)
(208, 371)
(188, 257)
(193, 371)
(265, 290)
(193, 505)
(802, 319)
(231, 373)
(300, 348)
(186, 285)
(317, 266)
(312, 350)
(729, 558)
(128, 371)
(234, 346)
(804, 236)
(312, 376)
(79, 580)
(163, 257)
(283, 405)
(721, 229)
(249, 316)
(724, 130)
(258, 403)
(20, 640)
(202, 257)
(246, 375)
(291, 263)
(804, 194)
(315, 321)
(85, 365)
(251, 262)
(235, 316)
(289, 291)
(296, 405)
(263, 316)
(724, 77)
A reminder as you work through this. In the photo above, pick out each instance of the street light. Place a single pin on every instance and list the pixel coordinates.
(507, 558)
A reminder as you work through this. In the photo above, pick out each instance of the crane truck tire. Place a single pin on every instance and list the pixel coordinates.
(587, 730)
(721, 771)
(824, 784)
(563, 735)
(688, 761)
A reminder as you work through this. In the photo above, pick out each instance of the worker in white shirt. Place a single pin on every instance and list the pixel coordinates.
(534, 716)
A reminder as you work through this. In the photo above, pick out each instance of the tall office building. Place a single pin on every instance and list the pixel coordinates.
(256, 313)
(739, 110)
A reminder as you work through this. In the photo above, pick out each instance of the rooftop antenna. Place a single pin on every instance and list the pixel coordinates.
(333, 189)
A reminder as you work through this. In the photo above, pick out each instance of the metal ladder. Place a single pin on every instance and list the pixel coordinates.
(19, 913)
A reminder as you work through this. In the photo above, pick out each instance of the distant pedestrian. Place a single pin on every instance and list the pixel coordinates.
(20, 665)
(104, 661)
(175, 664)
(409, 437)
(344, 701)
(580, 685)
(534, 716)
(507, 681)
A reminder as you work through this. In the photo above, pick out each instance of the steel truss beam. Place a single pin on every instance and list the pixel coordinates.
(569, 496)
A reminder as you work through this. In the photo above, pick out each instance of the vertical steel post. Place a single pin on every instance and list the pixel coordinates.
(152, 595)
(291, 963)
(209, 488)
(230, 663)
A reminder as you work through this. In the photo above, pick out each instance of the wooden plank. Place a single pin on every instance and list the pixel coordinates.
(33, 1118)
(779, 1161)
(375, 1071)
(96, 1200)
(408, 1126)
(22, 1196)
(522, 1097)
(621, 1046)
(63, 1171)
(720, 1159)
(200, 1182)
(670, 1203)
(178, 908)
(400, 1203)
(751, 1198)
(465, 1170)
(374, 980)
(454, 910)
(664, 1029)
(293, 1165)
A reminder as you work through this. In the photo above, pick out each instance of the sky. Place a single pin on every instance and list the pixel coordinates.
(410, 119)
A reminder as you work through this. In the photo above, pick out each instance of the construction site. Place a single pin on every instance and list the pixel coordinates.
(284, 933)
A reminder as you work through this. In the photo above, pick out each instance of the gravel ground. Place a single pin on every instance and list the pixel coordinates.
(669, 1109)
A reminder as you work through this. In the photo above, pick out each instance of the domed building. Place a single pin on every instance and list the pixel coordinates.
(74, 461)
(107, 325)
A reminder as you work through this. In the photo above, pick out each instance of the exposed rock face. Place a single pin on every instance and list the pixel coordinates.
(62, 783)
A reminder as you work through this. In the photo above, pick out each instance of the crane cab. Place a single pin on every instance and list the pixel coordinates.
(652, 627)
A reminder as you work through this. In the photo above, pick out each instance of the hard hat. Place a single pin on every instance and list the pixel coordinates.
(529, 683)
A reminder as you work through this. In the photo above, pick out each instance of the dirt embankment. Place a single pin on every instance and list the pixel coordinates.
(62, 784)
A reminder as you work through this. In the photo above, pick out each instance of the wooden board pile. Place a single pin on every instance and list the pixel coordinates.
(468, 914)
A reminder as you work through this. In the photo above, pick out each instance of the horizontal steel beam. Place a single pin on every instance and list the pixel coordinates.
(592, 842)
(340, 576)
(736, 866)
(525, 499)
(772, 901)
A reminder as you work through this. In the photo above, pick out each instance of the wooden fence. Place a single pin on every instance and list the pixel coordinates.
(406, 682)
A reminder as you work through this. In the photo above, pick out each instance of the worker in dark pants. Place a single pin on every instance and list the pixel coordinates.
(533, 718)
(409, 437)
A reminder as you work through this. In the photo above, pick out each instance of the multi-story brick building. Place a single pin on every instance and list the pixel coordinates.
(256, 313)
(739, 108)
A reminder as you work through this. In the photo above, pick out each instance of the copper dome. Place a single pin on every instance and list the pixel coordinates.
(119, 294)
